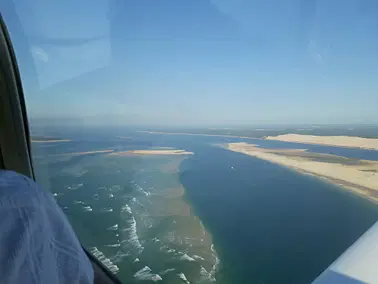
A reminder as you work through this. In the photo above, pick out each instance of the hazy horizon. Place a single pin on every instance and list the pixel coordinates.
(198, 63)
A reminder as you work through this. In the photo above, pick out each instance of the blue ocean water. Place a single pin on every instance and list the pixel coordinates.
(269, 223)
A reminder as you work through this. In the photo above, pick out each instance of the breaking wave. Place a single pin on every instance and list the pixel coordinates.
(140, 189)
(113, 245)
(104, 260)
(198, 257)
(186, 257)
(75, 186)
(146, 274)
(131, 229)
(183, 277)
(126, 208)
(113, 228)
(107, 210)
(215, 267)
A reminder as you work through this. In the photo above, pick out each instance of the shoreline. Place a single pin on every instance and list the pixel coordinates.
(51, 141)
(82, 153)
(335, 141)
(357, 176)
(195, 134)
(154, 152)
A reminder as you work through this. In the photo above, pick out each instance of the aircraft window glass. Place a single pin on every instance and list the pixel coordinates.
(205, 141)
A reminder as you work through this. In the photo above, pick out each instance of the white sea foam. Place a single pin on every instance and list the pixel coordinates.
(107, 210)
(106, 261)
(55, 194)
(116, 187)
(146, 193)
(113, 228)
(126, 208)
(119, 256)
(78, 202)
(186, 257)
(163, 248)
(198, 257)
(113, 245)
(133, 236)
(87, 208)
(136, 260)
(183, 277)
(132, 230)
(146, 274)
(111, 195)
(206, 276)
(167, 270)
(75, 186)
(215, 267)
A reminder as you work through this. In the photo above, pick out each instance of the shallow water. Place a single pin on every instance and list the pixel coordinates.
(269, 224)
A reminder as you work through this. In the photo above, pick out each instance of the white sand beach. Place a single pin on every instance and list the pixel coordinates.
(361, 176)
(341, 141)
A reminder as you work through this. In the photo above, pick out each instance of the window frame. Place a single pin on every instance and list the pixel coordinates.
(15, 143)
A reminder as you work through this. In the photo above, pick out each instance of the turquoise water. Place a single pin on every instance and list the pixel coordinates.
(268, 224)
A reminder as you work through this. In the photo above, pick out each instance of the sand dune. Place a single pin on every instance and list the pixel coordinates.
(342, 141)
(361, 176)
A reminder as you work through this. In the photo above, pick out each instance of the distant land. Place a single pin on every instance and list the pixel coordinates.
(261, 132)
(46, 139)
(152, 152)
(194, 134)
(339, 141)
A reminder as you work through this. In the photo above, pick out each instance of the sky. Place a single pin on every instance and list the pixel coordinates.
(197, 62)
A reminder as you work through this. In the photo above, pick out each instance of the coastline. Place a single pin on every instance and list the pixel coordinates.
(51, 141)
(358, 176)
(82, 153)
(337, 141)
(152, 152)
(195, 134)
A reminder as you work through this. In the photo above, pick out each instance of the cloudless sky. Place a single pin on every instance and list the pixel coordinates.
(198, 62)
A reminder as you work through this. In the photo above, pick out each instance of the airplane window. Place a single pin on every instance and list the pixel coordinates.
(205, 141)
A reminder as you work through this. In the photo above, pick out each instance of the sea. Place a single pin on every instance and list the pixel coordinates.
(212, 217)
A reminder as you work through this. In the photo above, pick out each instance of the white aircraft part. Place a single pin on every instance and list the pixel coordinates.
(358, 264)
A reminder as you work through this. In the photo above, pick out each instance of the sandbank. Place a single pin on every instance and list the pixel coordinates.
(194, 134)
(50, 141)
(340, 141)
(83, 153)
(152, 152)
(360, 176)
